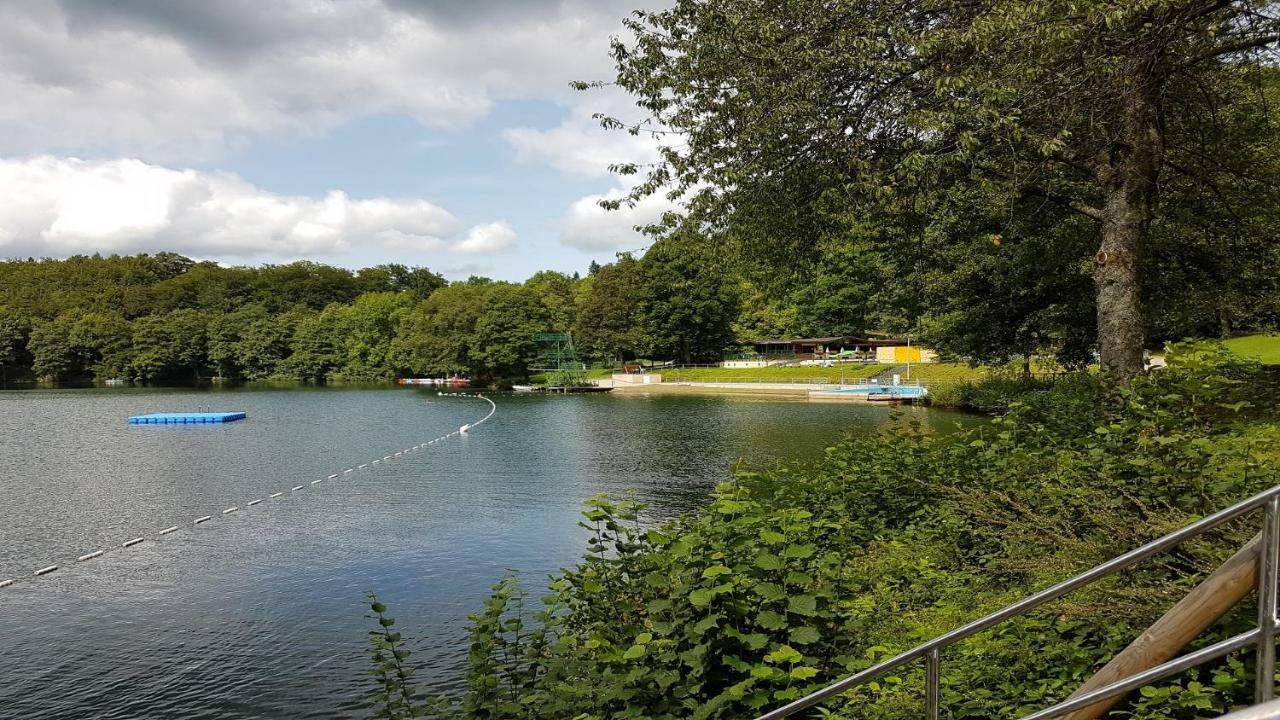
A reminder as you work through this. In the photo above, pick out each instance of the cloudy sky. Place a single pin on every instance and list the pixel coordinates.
(429, 132)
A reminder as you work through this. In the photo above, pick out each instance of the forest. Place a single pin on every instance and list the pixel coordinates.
(165, 319)
(986, 292)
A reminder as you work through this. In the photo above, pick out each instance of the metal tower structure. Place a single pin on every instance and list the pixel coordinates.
(556, 355)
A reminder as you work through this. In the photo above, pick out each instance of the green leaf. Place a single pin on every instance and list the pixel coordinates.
(797, 551)
(802, 604)
(770, 591)
(798, 579)
(705, 624)
(701, 597)
(784, 654)
(716, 571)
(803, 672)
(772, 537)
(634, 652)
(804, 635)
(771, 620)
(768, 561)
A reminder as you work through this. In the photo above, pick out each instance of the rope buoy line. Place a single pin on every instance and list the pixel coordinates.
(493, 408)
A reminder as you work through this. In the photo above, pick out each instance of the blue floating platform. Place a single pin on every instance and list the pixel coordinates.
(199, 418)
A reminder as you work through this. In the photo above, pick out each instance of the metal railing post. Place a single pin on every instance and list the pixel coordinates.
(1265, 687)
(931, 662)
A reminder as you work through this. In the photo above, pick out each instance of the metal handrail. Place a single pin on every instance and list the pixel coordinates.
(1262, 636)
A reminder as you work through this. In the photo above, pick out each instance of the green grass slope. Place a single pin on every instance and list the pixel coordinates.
(1263, 347)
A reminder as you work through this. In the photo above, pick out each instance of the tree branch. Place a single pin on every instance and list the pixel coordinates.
(1228, 49)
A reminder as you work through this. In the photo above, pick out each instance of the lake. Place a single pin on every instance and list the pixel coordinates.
(260, 613)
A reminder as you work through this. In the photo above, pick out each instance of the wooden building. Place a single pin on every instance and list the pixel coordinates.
(884, 350)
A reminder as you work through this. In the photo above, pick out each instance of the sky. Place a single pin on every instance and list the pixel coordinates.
(353, 132)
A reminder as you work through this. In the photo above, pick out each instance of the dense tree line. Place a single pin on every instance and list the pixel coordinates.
(165, 319)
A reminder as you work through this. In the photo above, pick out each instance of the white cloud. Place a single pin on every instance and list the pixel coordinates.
(589, 227)
(181, 82)
(491, 237)
(55, 206)
(579, 145)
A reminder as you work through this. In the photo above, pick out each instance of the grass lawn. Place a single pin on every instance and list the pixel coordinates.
(848, 372)
(928, 372)
(1263, 347)
(947, 372)
(799, 373)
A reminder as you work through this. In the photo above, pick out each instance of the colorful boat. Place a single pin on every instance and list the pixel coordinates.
(455, 381)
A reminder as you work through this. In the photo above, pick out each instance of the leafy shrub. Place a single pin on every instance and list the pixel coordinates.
(996, 391)
(793, 578)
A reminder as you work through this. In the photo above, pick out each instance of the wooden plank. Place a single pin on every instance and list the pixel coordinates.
(1184, 622)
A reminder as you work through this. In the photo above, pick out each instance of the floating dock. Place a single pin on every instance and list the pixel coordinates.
(874, 393)
(198, 418)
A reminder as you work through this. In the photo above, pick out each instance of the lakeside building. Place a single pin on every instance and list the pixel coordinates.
(889, 351)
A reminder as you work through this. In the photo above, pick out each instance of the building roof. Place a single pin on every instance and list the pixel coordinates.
(812, 341)
(834, 340)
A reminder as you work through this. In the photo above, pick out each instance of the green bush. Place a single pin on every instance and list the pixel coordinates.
(796, 577)
(995, 392)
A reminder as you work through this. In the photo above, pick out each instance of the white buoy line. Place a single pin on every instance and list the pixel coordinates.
(493, 408)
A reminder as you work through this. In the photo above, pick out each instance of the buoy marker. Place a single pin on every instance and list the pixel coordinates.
(361, 467)
(254, 502)
(135, 541)
(5, 583)
(276, 495)
(230, 510)
(317, 482)
(348, 471)
(297, 487)
(89, 556)
(201, 519)
(46, 570)
(168, 530)
(333, 476)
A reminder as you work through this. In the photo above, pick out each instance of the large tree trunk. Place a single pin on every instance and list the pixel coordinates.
(1128, 175)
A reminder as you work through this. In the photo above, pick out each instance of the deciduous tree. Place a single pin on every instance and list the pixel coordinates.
(880, 102)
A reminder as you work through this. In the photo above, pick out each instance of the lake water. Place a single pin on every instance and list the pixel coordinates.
(260, 613)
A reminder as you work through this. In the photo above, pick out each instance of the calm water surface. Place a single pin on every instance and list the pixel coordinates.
(260, 613)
